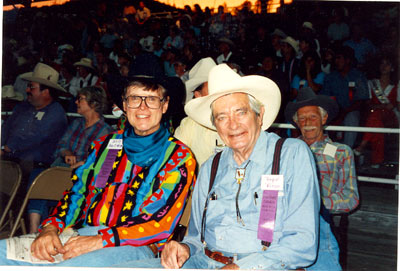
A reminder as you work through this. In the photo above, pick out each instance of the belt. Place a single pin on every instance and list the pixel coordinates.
(218, 256)
(154, 249)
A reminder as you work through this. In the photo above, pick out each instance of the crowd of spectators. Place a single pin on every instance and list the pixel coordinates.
(334, 49)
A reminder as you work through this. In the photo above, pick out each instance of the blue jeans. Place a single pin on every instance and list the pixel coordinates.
(328, 249)
(104, 257)
(197, 261)
(351, 119)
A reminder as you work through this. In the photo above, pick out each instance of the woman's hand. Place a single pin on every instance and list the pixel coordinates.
(80, 163)
(70, 159)
(79, 245)
(47, 244)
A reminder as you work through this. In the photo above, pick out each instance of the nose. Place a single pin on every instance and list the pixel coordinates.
(143, 105)
(233, 124)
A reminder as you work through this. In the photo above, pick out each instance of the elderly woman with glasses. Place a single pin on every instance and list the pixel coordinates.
(128, 197)
(72, 148)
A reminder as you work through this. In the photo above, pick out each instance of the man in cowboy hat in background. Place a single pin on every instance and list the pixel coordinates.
(35, 126)
(201, 140)
(335, 161)
(248, 218)
(31, 134)
(85, 76)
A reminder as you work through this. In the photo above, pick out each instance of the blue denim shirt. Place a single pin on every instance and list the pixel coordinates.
(295, 238)
(33, 134)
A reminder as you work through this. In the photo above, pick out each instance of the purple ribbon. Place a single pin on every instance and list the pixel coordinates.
(266, 223)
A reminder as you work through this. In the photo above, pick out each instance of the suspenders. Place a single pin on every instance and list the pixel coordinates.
(214, 168)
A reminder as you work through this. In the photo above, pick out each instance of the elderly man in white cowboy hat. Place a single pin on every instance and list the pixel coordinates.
(202, 141)
(85, 76)
(246, 213)
(335, 161)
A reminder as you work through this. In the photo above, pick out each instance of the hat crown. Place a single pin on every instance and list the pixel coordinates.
(306, 94)
(215, 84)
(46, 73)
(202, 68)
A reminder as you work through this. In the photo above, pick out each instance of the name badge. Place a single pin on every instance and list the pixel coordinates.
(272, 182)
(302, 82)
(330, 150)
(115, 144)
(352, 84)
(39, 115)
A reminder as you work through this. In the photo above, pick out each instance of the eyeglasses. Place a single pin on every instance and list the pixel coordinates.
(80, 98)
(152, 102)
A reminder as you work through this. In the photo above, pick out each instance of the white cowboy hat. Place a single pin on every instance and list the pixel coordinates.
(292, 42)
(8, 92)
(278, 32)
(222, 80)
(45, 75)
(309, 25)
(198, 75)
(85, 62)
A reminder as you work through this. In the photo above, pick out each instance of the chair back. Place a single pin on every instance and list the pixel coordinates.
(48, 185)
(10, 180)
(51, 183)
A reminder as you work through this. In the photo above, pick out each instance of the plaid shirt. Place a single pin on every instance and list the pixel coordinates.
(337, 175)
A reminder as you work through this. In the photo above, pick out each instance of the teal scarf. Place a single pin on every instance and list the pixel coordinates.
(144, 151)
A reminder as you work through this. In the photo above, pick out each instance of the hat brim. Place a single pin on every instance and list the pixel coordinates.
(261, 88)
(61, 91)
(321, 100)
(84, 65)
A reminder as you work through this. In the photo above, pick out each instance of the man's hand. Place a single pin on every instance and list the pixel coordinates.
(174, 255)
(79, 245)
(78, 164)
(230, 266)
(47, 244)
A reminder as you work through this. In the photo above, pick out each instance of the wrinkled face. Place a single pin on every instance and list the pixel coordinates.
(143, 119)
(34, 95)
(82, 105)
(237, 124)
(311, 123)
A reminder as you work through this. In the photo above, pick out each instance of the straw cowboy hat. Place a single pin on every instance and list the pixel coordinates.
(307, 97)
(44, 75)
(227, 41)
(8, 92)
(309, 25)
(198, 75)
(278, 32)
(292, 42)
(222, 80)
(85, 62)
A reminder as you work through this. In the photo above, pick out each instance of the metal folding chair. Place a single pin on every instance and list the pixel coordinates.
(48, 185)
(10, 180)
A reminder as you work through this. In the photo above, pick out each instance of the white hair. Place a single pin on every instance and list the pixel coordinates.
(321, 111)
(255, 106)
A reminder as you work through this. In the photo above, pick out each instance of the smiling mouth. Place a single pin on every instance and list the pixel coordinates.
(142, 116)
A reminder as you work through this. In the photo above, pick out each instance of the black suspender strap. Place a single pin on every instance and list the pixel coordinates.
(275, 168)
(214, 169)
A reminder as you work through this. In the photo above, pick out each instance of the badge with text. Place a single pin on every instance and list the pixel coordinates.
(272, 182)
(330, 150)
(115, 144)
(39, 115)
(266, 223)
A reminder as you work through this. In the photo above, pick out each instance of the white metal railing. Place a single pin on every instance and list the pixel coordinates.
(327, 128)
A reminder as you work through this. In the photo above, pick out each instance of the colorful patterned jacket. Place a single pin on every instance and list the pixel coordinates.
(136, 212)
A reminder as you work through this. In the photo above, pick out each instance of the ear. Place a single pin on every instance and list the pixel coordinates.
(165, 105)
(324, 119)
(261, 116)
(124, 105)
(197, 94)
